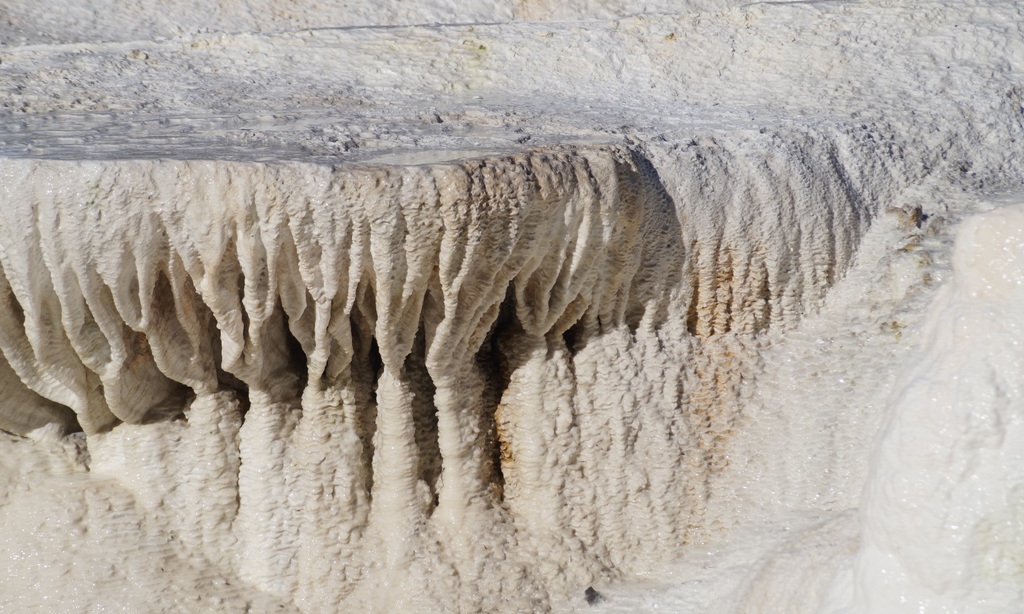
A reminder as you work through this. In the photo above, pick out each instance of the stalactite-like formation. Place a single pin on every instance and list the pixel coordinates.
(329, 382)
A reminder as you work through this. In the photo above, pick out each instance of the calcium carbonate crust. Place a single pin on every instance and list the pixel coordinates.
(379, 366)
(472, 317)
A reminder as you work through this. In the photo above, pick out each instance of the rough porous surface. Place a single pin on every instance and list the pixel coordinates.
(299, 314)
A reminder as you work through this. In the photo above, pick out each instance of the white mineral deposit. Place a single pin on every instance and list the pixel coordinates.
(692, 306)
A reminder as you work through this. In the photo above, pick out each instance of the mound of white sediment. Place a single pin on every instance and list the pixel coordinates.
(299, 315)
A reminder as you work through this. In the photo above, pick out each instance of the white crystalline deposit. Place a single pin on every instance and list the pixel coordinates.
(461, 385)
(942, 511)
(31, 21)
(297, 315)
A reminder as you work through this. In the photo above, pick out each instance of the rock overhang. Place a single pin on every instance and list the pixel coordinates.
(763, 141)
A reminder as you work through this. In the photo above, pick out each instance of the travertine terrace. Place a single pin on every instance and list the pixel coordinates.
(382, 308)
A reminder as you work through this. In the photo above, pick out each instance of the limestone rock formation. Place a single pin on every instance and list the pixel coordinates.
(328, 381)
(388, 307)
